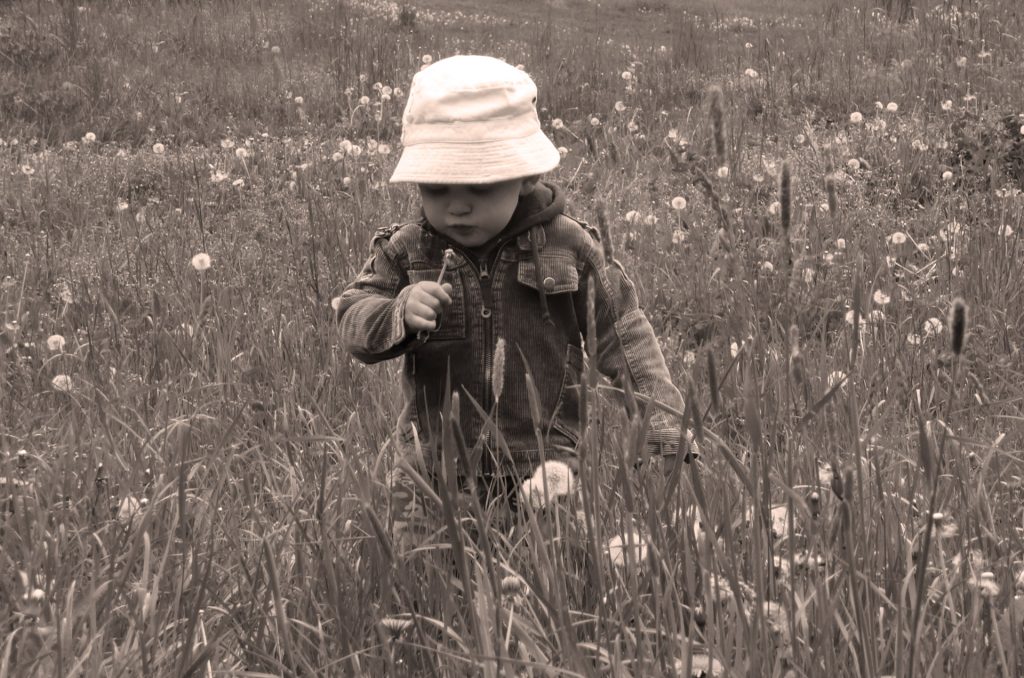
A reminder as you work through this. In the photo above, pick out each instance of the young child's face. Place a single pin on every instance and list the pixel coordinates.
(472, 214)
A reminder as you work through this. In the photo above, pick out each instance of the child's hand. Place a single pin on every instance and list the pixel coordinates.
(425, 304)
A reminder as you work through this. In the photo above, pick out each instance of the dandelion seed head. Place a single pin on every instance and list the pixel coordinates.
(62, 383)
(159, 148)
(853, 164)
(595, 121)
(201, 261)
(557, 123)
(90, 137)
(623, 548)
(619, 106)
(751, 73)
(947, 176)
(856, 118)
(947, 105)
(679, 203)
(892, 107)
(55, 342)
(722, 172)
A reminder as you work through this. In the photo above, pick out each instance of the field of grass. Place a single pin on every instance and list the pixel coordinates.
(192, 471)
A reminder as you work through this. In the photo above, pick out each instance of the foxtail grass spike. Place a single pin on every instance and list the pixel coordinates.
(958, 325)
(606, 236)
(833, 196)
(717, 113)
(786, 197)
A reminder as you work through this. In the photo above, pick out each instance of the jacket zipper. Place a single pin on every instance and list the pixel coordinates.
(488, 316)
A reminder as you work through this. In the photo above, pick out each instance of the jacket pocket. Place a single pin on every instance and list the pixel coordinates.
(566, 419)
(558, 274)
(452, 323)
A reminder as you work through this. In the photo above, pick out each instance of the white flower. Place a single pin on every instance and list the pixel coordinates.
(632, 217)
(880, 298)
(337, 156)
(898, 237)
(623, 548)
(722, 172)
(364, 100)
(275, 50)
(241, 153)
(751, 73)
(678, 236)
(619, 106)
(55, 342)
(557, 123)
(427, 59)
(595, 121)
(122, 205)
(89, 137)
(947, 176)
(748, 46)
(932, 327)
(853, 164)
(62, 383)
(650, 220)
(158, 148)
(961, 61)
(201, 261)
(774, 208)
(626, 75)
(551, 480)
(679, 203)
(947, 105)
(767, 267)
(879, 105)
(383, 149)
(892, 107)
(28, 170)
(856, 118)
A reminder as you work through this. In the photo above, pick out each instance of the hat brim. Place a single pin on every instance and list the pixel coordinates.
(476, 162)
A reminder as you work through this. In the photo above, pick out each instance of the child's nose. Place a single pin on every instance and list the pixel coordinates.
(459, 207)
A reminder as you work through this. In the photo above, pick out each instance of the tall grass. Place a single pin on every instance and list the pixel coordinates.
(194, 478)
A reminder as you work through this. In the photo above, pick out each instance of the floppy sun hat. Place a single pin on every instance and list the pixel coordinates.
(472, 120)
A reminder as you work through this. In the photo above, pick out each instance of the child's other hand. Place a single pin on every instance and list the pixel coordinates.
(425, 304)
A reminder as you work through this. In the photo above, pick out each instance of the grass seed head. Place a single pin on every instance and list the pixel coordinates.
(786, 196)
(958, 325)
(716, 111)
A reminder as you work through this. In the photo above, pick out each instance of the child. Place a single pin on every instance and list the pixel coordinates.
(494, 266)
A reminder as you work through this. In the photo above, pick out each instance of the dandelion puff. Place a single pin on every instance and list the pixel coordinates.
(947, 176)
(932, 327)
(557, 123)
(62, 383)
(551, 480)
(751, 73)
(897, 237)
(985, 584)
(595, 121)
(241, 153)
(201, 261)
(679, 203)
(892, 107)
(623, 547)
(722, 172)
(853, 164)
(626, 75)
(856, 117)
(881, 298)
(90, 137)
(958, 325)
(619, 106)
(159, 148)
(55, 342)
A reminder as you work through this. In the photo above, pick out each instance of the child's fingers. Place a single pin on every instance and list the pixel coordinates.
(442, 293)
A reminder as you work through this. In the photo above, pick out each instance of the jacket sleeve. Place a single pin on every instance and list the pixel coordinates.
(371, 310)
(627, 347)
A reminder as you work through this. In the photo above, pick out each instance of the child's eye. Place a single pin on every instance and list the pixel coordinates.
(480, 189)
(433, 189)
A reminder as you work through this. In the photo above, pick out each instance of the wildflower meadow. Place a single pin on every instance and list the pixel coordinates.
(820, 204)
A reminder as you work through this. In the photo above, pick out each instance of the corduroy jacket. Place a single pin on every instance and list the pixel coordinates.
(541, 314)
